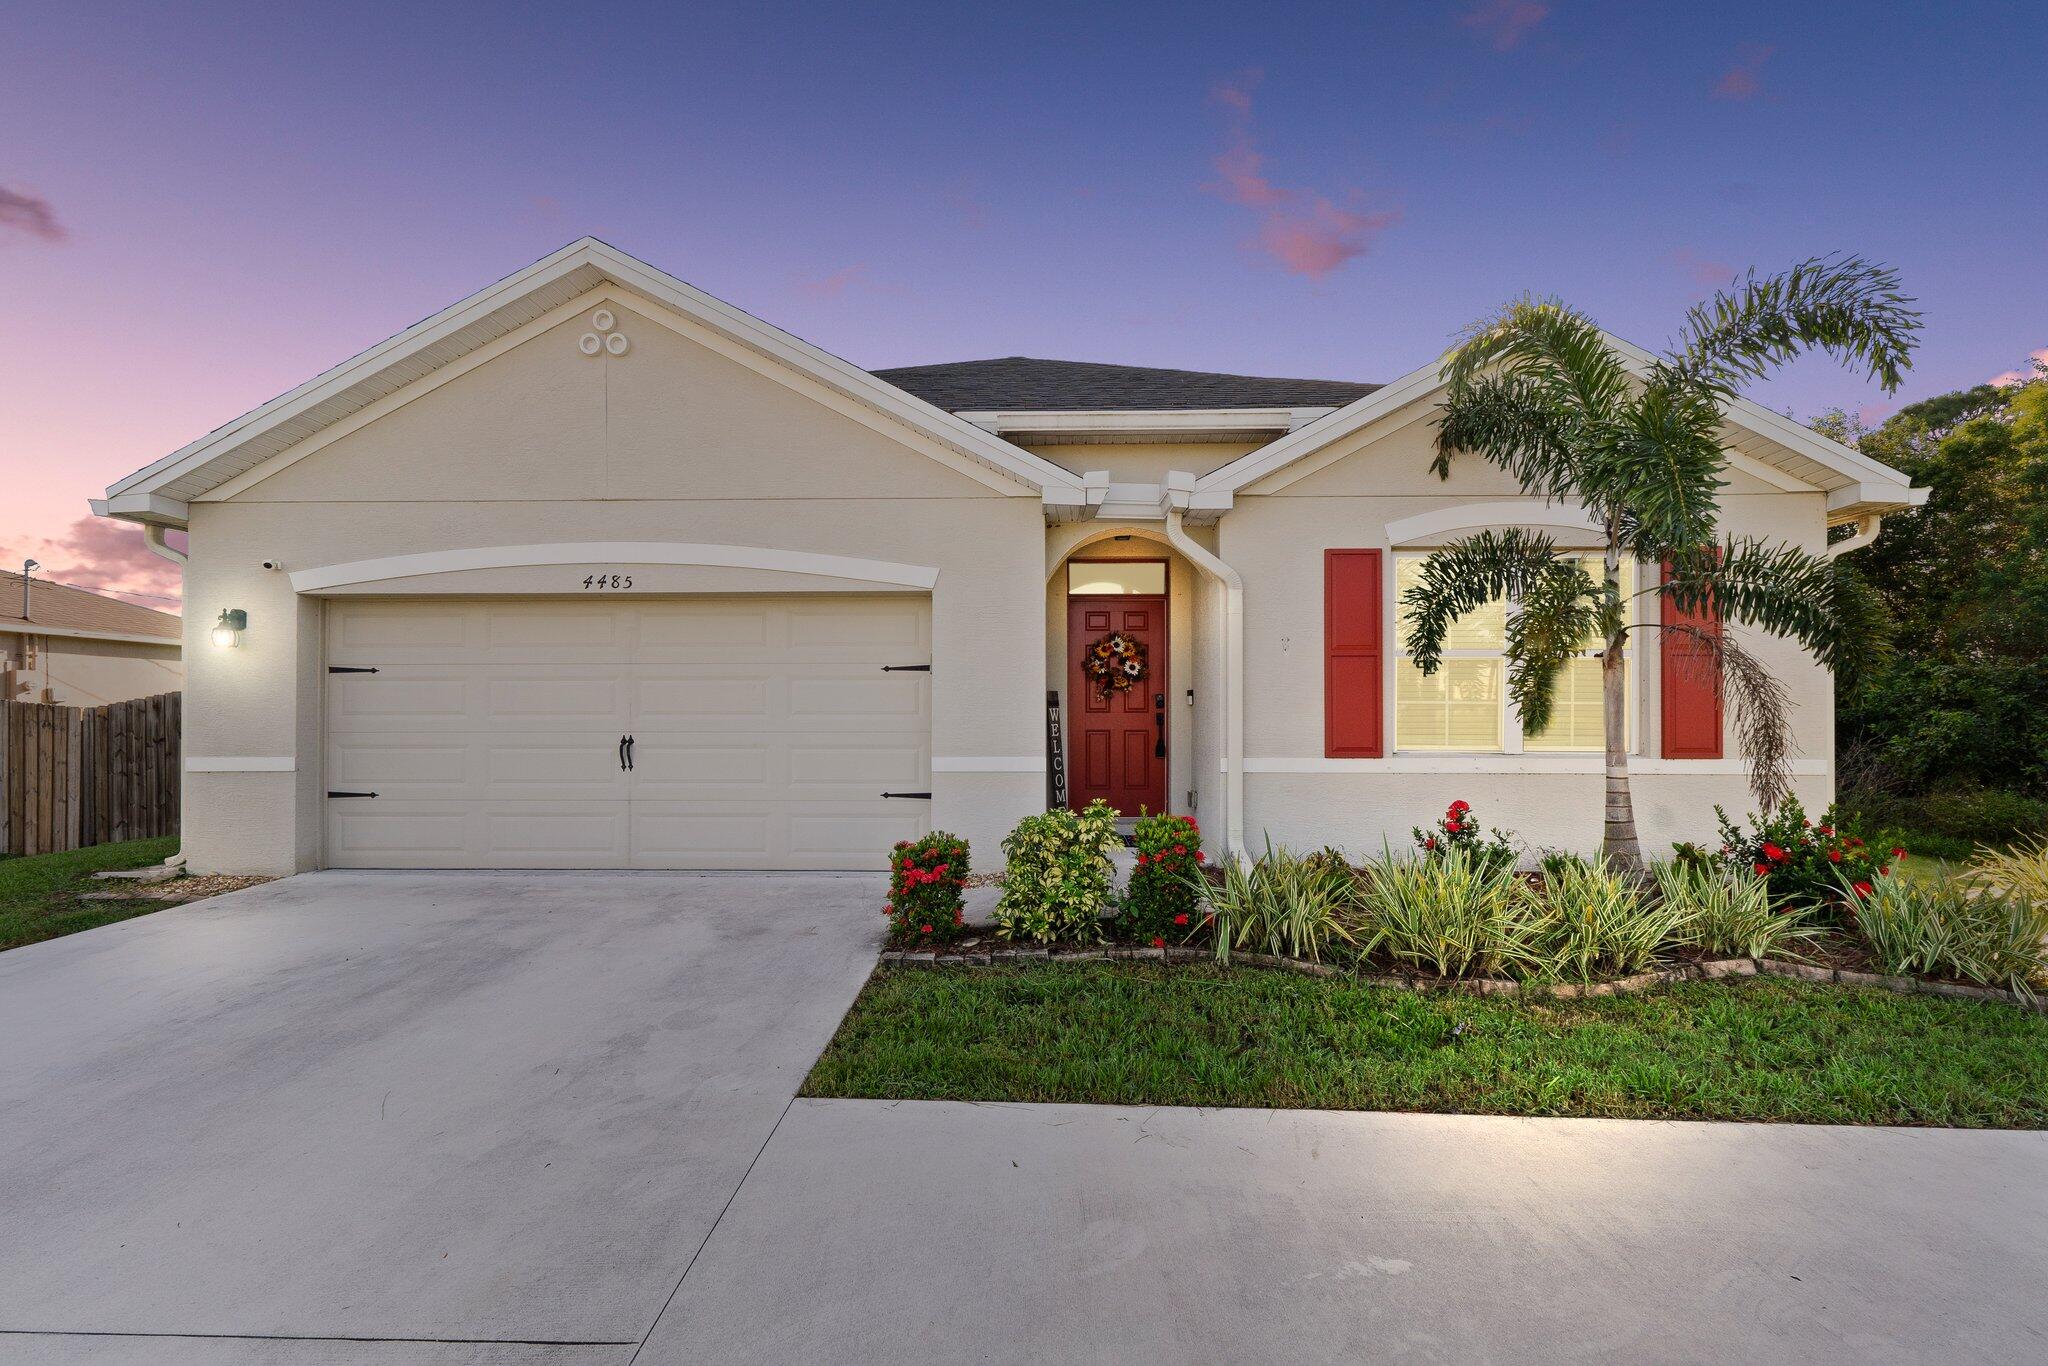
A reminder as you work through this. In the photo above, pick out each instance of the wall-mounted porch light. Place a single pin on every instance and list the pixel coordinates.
(227, 632)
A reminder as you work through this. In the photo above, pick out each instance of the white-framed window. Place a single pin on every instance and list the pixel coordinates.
(1463, 707)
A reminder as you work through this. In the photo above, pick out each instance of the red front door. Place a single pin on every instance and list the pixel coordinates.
(1116, 741)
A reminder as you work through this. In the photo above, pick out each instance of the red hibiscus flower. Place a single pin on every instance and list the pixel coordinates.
(1773, 852)
(925, 930)
(1863, 889)
(1761, 869)
(1898, 852)
(1181, 919)
(1157, 942)
(1834, 856)
(1454, 826)
(1459, 808)
(1201, 857)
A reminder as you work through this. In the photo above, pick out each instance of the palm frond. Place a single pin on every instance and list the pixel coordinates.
(1506, 420)
(1558, 349)
(1561, 611)
(1466, 575)
(1761, 708)
(1845, 306)
(1664, 466)
(1784, 590)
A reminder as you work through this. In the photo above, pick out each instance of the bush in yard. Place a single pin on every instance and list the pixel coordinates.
(1980, 935)
(926, 878)
(2019, 871)
(1730, 912)
(1283, 903)
(1057, 880)
(1802, 863)
(1596, 921)
(1161, 903)
(1458, 828)
(1452, 912)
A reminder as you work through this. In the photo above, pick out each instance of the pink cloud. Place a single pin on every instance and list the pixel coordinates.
(1504, 23)
(1306, 231)
(839, 282)
(2039, 357)
(1700, 270)
(31, 214)
(108, 557)
(1744, 80)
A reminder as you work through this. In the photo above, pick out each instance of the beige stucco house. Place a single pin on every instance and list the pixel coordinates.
(593, 570)
(78, 648)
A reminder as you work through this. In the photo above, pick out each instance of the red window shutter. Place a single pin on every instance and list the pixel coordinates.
(1691, 688)
(1354, 653)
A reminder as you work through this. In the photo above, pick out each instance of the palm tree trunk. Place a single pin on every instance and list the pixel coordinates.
(1618, 840)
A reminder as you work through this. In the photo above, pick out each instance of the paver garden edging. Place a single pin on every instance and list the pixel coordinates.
(984, 956)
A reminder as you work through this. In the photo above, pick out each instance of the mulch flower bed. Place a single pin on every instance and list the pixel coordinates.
(987, 952)
(180, 889)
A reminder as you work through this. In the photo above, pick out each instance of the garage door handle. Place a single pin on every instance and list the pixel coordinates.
(622, 754)
(351, 794)
(629, 754)
(920, 796)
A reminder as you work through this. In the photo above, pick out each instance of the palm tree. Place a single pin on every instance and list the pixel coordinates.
(1544, 394)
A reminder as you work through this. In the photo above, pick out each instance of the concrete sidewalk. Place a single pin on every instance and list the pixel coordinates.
(909, 1232)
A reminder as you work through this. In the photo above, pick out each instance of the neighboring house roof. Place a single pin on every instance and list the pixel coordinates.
(56, 609)
(161, 492)
(1029, 384)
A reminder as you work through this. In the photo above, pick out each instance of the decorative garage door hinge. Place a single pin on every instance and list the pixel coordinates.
(921, 796)
(348, 669)
(351, 794)
(906, 668)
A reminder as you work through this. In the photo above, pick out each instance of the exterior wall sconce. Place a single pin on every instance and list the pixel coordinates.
(227, 632)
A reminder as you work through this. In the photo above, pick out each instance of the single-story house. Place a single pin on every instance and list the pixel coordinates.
(82, 649)
(594, 570)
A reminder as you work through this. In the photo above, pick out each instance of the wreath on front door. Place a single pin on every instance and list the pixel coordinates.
(1116, 663)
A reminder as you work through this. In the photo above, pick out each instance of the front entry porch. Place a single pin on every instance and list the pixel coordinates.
(1125, 599)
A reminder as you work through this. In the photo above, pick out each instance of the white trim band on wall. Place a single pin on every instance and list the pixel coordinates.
(614, 552)
(1562, 764)
(240, 763)
(1012, 763)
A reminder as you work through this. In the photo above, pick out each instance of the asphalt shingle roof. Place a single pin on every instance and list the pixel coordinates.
(56, 605)
(1025, 383)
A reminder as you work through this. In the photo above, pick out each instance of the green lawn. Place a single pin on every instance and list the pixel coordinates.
(1143, 1034)
(39, 894)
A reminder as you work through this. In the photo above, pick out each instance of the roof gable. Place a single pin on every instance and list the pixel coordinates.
(1855, 484)
(160, 491)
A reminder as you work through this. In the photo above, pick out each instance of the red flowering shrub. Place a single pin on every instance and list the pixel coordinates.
(926, 877)
(1458, 828)
(1160, 904)
(1806, 863)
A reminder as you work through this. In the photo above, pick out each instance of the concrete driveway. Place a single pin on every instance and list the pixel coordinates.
(468, 1117)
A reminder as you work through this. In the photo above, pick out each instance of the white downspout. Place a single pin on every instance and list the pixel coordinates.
(1233, 659)
(1866, 531)
(153, 537)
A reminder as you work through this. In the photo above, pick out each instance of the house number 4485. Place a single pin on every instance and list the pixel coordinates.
(593, 582)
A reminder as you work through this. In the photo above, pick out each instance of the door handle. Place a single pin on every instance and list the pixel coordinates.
(629, 753)
(622, 754)
(1159, 725)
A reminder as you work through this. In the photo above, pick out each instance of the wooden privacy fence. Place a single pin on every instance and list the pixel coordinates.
(74, 776)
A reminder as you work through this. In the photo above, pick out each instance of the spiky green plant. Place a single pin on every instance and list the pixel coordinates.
(1281, 903)
(1596, 922)
(2019, 871)
(1460, 912)
(1729, 912)
(1540, 391)
(1946, 929)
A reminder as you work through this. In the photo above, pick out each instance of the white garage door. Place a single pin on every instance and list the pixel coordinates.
(763, 732)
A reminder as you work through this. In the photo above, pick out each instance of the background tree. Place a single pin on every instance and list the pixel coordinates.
(1947, 737)
(1540, 391)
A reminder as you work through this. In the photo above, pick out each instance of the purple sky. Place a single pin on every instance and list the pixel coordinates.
(202, 206)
